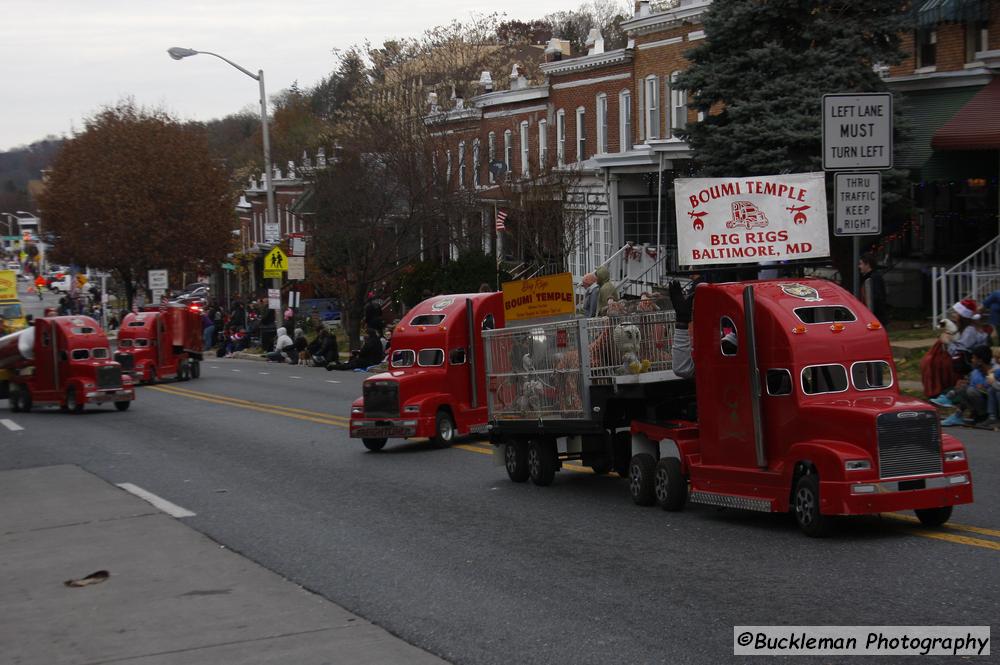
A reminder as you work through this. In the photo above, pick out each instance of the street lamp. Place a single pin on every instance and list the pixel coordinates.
(178, 53)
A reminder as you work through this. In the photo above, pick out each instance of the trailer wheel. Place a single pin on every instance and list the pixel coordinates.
(542, 461)
(641, 484)
(124, 405)
(374, 445)
(182, 371)
(671, 486)
(73, 404)
(195, 369)
(14, 398)
(806, 506)
(152, 376)
(934, 516)
(621, 447)
(25, 399)
(515, 459)
(444, 429)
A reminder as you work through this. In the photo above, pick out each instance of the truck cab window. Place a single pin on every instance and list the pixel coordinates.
(871, 375)
(81, 354)
(825, 314)
(489, 323)
(430, 357)
(124, 343)
(100, 353)
(457, 357)
(728, 340)
(427, 320)
(779, 382)
(819, 379)
(142, 342)
(402, 358)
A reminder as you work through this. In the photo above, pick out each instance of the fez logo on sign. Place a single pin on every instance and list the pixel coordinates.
(749, 220)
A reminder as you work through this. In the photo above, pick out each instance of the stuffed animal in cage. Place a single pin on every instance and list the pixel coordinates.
(567, 375)
(628, 342)
(532, 395)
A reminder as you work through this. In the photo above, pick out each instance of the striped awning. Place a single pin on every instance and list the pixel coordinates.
(932, 12)
(976, 126)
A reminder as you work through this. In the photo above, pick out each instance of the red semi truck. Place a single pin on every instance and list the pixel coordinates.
(161, 342)
(62, 361)
(795, 407)
(435, 385)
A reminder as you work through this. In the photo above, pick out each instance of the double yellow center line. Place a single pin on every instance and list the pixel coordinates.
(951, 532)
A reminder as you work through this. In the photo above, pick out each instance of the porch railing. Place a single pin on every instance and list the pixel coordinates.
(637, 268)
(975, 276)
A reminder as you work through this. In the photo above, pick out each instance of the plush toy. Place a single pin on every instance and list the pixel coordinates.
(628, 342)
(567, 373)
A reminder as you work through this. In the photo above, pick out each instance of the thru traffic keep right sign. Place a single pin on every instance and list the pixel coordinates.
(857, 202)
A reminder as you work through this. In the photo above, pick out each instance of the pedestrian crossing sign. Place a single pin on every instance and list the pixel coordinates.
(275, 263)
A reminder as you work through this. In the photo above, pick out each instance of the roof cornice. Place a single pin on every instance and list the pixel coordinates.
(586, 62)
(670, 17)
(510, 96)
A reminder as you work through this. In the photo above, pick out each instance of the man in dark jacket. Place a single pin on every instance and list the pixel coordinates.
(371, 354)
(873, 288)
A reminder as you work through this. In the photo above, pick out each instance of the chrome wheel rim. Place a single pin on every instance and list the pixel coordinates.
(445, 430)
(510, 457)
(534, 462)
(662, 483)
(805, 503)
(635, 482)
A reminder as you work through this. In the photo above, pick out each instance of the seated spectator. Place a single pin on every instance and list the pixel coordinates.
(937, 369)
(970, 393)
(993, 393)
(284, 348)
(370, 354)
(324, 348)
(301, 344)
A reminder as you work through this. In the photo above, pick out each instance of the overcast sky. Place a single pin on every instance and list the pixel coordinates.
(61, 60)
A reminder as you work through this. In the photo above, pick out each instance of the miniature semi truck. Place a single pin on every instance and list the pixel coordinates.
(161, 342)
(435, 384)
(62, 361)
(794, 407)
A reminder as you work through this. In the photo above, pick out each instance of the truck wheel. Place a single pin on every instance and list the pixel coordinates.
(806, 506)
(671, 486)
(444, 429)
(152, 376)
(195, 369)
(124, 405)
(515, 459)
(73, 404)
(934, 516)
(621, 447)
(25, 399)
(641, 484)
(542, 461)
(374, 445)
(14, 398)
(182, 371)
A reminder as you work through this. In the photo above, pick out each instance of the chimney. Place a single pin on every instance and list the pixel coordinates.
(642, 9)
(306, 163)
(553, 51)
(291, 169)
(321, 157)
(517, 82)
(595, 42)
(486, 80)
(432, 101)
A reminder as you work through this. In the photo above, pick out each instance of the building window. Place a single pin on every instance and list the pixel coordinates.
(561, 137)
(543, 144)
(624, 121)
(461, 164)
(602, 124)
(678, 103)
(524, 149)
(581, 134)
(447, 173)
(492, 147)
(926, 41)
(476, 166)
(652, 108)
(639, 222)
(508, 150)
(977, 38)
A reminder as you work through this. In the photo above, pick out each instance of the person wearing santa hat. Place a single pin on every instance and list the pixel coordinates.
(969, 334)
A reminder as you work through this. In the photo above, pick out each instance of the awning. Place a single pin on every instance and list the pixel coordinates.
(305, 204)
(976, 126)
(932, 12)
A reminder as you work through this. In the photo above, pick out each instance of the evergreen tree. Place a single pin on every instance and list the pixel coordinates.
(763, 69)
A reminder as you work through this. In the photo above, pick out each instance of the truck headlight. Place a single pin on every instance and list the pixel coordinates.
(357, 410)
(409, 423)
(857, 465)
(413, 408)
(954, 456)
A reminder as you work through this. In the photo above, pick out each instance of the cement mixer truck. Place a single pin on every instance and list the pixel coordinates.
(62, 361)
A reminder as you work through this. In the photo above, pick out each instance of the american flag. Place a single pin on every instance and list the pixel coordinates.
(501, 218)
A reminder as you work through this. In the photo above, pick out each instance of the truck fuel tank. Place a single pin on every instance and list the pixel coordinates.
(17, 349)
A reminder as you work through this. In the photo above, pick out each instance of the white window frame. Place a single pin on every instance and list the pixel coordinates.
(461, 164)
(508, 151)
(678, 104)
(561, 136)
(601, 106)
(447, 173)
(652, 111)
(492, 147)
(624, 120)
(525, 170)
(543, 144)
(581, 134)
(476, 165)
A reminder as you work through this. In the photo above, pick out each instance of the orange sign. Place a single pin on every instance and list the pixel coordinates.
(538, 298)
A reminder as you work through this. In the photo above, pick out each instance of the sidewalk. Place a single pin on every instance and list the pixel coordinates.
(173, 596)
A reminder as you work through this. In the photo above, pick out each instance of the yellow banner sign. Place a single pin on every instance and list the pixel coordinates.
(8, 285)
(538, 298)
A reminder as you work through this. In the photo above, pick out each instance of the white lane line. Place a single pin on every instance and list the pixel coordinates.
(11, 425)
(264, 373)
(329, 381)
(295, 377)
(171, 509)
(214, 366)
(234, 370)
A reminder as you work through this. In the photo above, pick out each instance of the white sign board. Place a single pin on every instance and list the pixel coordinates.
(298, 247)
(158, 280)
(751, 220)
(857, 204)
(296, 267)
(274, 299)
(272, 233)
(857, 131)
(158, 295)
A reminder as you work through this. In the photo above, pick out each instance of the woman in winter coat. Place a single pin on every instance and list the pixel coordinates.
(282, 346)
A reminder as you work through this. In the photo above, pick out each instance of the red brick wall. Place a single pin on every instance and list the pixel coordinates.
(950, 54)
(570, 99)
(661, 61)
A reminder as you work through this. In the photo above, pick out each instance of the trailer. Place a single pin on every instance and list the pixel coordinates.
(161, 342)
(795, 407)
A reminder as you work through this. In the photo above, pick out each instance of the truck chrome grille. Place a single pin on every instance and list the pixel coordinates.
(381, 399)
(909, 444)
(109, 376)
(126, 360)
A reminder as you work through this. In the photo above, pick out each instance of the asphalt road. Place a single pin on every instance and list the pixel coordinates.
(440, 548)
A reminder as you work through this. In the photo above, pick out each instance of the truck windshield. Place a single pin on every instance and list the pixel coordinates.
(11, 310)
(820, 379)
(871, 375)
(100, 353)
(430, 357)
(142, 342)
(427, 320)
(80, 354)
(402, 358)
(124, 343)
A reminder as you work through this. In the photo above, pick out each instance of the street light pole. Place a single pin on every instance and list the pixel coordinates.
(178, 53)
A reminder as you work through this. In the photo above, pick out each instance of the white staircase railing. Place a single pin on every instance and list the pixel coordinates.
(975, 276)
(637, 268)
